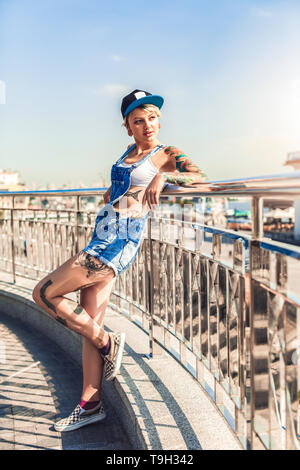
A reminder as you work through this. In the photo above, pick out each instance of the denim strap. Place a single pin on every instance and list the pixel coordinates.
(134, 165)
(124, 154)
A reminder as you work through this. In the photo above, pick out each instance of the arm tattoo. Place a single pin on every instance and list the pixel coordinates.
(183, 165)
(177, 178)
(134, 195)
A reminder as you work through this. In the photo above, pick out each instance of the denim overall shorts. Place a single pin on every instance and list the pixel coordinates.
(116, 238)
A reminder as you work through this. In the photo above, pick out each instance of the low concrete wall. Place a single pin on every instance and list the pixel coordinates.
(26, 311)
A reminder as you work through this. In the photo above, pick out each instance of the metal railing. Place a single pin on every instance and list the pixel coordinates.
(224, 303)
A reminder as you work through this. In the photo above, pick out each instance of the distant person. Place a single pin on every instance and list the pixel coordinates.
(138, 178)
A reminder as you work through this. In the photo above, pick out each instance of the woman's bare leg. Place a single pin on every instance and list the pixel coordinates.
(94, 300)
(79, 271)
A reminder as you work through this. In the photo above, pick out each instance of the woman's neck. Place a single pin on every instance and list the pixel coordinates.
(142, 147)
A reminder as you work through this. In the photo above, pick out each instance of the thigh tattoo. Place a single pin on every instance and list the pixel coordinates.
(91, 264)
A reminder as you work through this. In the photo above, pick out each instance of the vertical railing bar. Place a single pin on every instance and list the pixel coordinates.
(13, 239)
(150, 291)
(257, 234)
(181, 270)
(250, 408)
(190, 300)
(227, 290)
(76, 223)
(208, 312)
(284, 385)
(257, 218)
(76, 235)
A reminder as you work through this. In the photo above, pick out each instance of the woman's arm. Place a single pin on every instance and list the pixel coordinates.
(179, 171)
(186, 172)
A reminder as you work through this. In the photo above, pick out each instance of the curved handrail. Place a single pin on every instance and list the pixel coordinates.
(278, 184)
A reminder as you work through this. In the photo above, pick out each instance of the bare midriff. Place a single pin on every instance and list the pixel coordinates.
(130, 203)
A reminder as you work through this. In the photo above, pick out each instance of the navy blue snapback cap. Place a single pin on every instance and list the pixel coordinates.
(137, 98)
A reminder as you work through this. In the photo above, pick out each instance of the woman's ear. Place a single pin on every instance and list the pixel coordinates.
(129, 131)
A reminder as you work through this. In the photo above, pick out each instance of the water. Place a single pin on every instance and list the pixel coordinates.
(239, 205)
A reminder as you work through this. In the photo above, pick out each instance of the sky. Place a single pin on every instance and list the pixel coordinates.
(229, 71)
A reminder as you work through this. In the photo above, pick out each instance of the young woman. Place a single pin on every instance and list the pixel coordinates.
(138, 178)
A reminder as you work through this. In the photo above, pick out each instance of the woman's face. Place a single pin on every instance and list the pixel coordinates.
(143, 125)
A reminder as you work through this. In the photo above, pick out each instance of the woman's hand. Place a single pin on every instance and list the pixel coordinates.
(106, 195)
(152, 193)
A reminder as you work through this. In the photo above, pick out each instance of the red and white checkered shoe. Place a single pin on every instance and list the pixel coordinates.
(80, 417)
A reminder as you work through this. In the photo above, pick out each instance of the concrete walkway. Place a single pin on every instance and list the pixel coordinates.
(39, 384)
(156, 401)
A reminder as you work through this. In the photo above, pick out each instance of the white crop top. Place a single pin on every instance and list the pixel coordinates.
(143, 174)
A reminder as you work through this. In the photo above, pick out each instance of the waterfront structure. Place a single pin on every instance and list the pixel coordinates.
(293, 159)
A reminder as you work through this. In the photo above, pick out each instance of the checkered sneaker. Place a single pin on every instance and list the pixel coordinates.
(80, 417)
(112, 362)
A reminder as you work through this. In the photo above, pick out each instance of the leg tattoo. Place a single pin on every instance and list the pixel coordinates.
(78, 309)
(61, 320)
(91, 264)
(73, 315)
(43, 296)
(49, 304)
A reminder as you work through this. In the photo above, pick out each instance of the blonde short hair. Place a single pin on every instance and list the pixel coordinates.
(148, 107)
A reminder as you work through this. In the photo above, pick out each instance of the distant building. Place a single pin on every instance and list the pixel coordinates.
(293, 159)
(10, 181)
